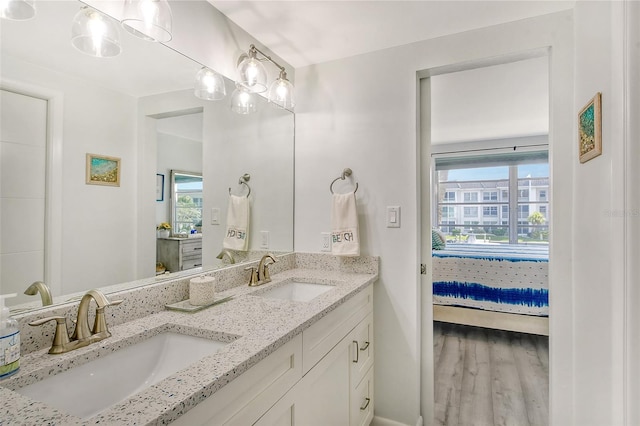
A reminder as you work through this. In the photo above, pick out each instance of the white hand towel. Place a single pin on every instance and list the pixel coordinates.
(345, 240)
(237, 237)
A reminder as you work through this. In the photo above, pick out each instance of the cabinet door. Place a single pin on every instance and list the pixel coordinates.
(283, 413)
(362, 401)
(244, 400)
(361, 349)
(323, 393)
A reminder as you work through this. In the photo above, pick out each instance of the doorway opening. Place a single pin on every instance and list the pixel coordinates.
(485, 210)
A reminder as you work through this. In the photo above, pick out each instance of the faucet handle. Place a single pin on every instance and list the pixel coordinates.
(61, 336)
(253, 279)
(100, 329)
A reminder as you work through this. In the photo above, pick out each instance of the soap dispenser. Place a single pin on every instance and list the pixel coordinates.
(9, 341)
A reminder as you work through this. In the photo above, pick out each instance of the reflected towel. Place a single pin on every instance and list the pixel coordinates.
(237, 236)
(345, 240)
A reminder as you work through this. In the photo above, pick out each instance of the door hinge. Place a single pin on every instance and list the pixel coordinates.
(423, 269)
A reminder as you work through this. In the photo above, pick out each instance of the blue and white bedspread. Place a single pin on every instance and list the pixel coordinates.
(501, 278)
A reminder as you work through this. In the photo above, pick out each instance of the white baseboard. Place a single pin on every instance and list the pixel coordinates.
(381, 421)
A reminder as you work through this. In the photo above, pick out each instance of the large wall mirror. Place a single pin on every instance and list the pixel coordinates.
(58, 105)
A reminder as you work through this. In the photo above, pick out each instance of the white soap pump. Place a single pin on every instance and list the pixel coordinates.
(9, 340)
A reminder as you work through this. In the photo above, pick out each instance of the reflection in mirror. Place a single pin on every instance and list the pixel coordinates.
(186, 202)
(74, 236)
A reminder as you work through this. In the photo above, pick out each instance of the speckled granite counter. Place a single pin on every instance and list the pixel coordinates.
(255, 327)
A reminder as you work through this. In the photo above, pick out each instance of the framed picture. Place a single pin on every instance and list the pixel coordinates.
(159, 187)
(590, 129)
(103, 170)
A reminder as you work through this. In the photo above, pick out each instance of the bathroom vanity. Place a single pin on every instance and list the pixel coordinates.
(179, 254)
(284, 360)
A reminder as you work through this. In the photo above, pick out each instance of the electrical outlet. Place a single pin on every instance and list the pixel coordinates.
(325, 241)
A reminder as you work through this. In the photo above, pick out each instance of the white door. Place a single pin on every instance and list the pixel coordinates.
(23, 159)
(426, 288)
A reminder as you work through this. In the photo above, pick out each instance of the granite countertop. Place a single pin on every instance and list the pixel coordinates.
(255, 327)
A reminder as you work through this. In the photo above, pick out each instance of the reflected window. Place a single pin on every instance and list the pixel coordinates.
(186, 201)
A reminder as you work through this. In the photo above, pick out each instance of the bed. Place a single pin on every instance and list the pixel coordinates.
(493, 286)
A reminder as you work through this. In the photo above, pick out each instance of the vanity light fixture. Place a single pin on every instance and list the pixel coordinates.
(253, 76)
(95, 34)
(17, 10)
(150, 20)
(209, 85)
(243, 101)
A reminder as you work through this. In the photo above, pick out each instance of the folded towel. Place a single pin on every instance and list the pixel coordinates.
(237, 237)
(345, 240)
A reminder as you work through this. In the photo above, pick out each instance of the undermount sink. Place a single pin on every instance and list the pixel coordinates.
(88, 389)
(295, 290)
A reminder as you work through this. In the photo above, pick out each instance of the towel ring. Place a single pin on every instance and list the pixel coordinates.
(345, 173)
(243, 181)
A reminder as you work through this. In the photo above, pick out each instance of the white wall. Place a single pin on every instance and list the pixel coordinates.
(94, 239)
(632, 267)
(361, 113)
(491, 102)
(601, 221)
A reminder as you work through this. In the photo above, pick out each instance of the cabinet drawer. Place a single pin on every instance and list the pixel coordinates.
(249, 396)
(362, 401)
(362, 349)
(192, 262)
(322, 336)
(188, 247)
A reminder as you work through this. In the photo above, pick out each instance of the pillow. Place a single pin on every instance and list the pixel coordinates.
(438, 240)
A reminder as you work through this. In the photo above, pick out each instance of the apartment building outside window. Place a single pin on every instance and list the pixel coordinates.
(477, 200)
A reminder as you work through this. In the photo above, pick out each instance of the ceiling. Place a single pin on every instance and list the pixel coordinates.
(305, 32)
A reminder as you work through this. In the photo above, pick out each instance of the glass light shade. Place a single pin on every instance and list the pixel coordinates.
(150, 20)
(95, 34)
(209, 85)
(243, 101)
(17, 10)
(281, 92)
(253, 75)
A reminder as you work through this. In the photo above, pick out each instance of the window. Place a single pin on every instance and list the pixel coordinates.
(486, 186)
(448, 212)
(490, 196)
(491, 211)
(470, 197)
(470, 212)
(186, 201)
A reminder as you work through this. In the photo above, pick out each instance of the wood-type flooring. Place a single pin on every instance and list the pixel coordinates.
(490, 377)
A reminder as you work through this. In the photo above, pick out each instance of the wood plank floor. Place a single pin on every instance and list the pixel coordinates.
(490, 377)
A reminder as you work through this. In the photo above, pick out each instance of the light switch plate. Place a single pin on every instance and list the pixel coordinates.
(325, 240)
(393, 216)
(215, 216)
(264, 239)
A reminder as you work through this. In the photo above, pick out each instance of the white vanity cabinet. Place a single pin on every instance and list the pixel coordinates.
(324, 376)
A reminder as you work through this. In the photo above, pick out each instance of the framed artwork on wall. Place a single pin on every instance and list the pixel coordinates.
(159, 187)
(102, 170)
(590, 129)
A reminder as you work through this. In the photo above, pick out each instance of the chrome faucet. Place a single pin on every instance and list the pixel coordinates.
(263, 269)
(43, 289)
(82, 335)
(228, 254)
